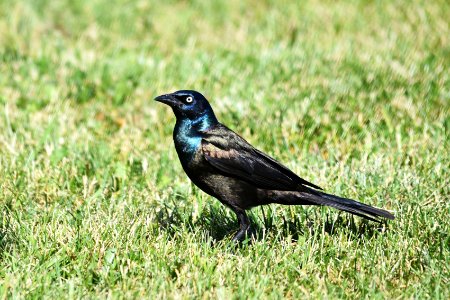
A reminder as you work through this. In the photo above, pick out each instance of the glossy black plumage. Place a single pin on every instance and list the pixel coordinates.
(224, 165)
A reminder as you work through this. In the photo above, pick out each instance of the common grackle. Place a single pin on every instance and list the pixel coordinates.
(227, 167)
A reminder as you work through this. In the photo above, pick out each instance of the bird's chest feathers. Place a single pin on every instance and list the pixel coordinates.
(187, 138)
(186, 144)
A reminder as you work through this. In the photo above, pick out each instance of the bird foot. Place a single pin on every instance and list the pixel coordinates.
(243, 234)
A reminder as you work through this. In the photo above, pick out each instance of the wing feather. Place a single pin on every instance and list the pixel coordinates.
(231, 154)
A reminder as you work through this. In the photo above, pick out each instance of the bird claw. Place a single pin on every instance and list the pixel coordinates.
(242, 235)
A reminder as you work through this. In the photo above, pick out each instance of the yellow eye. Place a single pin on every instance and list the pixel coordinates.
(189, 99)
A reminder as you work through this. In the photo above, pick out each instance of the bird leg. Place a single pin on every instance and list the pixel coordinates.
(244, 226)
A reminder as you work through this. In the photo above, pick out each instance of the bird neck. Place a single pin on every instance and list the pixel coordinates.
(193, 127)
(204, 122)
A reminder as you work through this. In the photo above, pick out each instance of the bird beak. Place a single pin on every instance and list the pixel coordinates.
(166, 99)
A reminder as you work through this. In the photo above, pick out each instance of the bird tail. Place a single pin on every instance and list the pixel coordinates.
(320, 198)
(352, 206)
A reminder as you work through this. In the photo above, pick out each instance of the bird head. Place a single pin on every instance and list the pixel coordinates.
(187, 104)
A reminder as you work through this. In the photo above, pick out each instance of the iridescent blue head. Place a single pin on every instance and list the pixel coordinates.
(188, 105)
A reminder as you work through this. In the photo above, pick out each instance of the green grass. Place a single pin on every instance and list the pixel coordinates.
(352, 95)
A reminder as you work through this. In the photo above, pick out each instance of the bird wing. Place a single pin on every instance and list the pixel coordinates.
(231, 154)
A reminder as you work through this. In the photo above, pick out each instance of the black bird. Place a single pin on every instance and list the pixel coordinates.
(227, 167)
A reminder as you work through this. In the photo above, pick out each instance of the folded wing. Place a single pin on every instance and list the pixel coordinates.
(232, 155)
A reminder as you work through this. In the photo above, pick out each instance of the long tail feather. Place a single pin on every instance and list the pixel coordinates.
(351, 206)
(314, 197)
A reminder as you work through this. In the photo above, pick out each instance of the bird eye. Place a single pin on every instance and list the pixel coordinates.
(189, 99)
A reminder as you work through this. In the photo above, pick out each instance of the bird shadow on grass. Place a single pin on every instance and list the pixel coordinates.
(221, 225)
(333, 223)
(352, 225)
(216, 222)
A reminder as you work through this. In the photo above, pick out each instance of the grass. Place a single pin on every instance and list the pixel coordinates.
(352, 95)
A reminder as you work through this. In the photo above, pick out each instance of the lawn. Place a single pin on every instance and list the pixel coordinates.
(351, 95)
